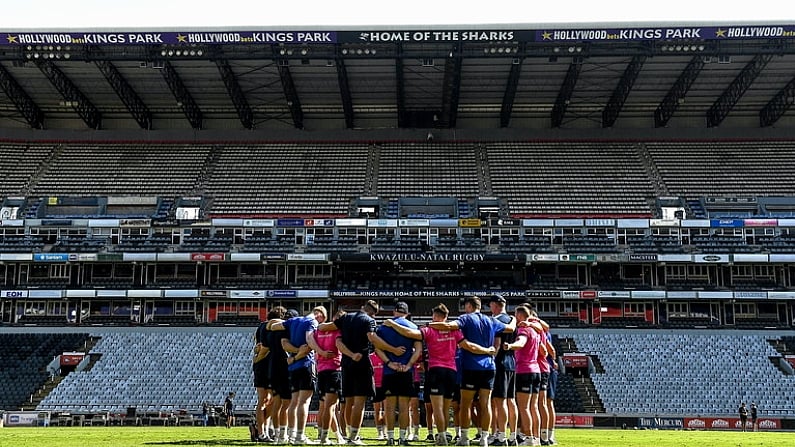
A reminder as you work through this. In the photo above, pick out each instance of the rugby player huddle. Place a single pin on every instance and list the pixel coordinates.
(496, 373)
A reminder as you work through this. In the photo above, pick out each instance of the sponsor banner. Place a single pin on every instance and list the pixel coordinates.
(675, 258)
(750, 295)
(782, 258)
(139, 257)
(45, 294)
(715, 295)
(186, 38)
(569, 294)
(273, 256)
(664, 222)
(109, 257)
(713, 259)
(613, 257)
(575, 360)
(600, 222)
(781, 295)
(212, 257)
(469, 223)
(173, 257)
(726, 223)
(643, 258)
(50, 257)
(80, 293)
(17, 418)
(568, 222)
(135, 223)
(311, 257)
(56, 222)
(588, 294)
(14, 294)
(505, 222)
(414, 222)
(143, 293)
(542, 257)
(684, 294)
(648, 294)
(688, 32)
(72, 358)
(786, 222)
(543, 294)
(87, 257)
(661, 423)
(382, 223)
(184, 293)
(213, 293)
(103, 223)
(221, 222)
(16, 256)
(632, 223)
(108, 293)
(259, 222)
(427, 257)
(546, 223)
(760, 222)
(422, 293)
(12, 223)
(577, 258)
(695, 223)
(318, 222)
(445, 223)
(614, 294)
(744, 257)
(247, 293)
(572, 420)
(281, 293)
(289, 222)
(729, 423)
(351, 222)
(429, 36)
(245, 257)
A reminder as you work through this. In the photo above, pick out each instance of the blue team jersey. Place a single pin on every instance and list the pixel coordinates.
(391, 337)
(298, 327)
(479, 329)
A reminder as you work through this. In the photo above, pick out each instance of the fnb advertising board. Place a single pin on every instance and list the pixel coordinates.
(730, 424)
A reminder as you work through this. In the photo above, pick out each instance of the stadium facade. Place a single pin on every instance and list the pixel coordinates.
(619, 175)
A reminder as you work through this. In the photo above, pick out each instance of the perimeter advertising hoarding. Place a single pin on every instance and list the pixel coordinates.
(573, 420)
(661, 423)
(731, 423)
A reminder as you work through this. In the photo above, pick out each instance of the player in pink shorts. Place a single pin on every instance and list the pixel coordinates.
(528, 348)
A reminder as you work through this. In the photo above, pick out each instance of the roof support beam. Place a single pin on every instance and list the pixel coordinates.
(778, 106)
(182, 95)
(510, 92)
(291, 94)
(452, 87)
(728, 99)
(345, 91)
(400, 87)
(236, 94)
(619, 96)
(22, 101)
(566, 90)
(128, 96)
(71, 94)
(677, 93)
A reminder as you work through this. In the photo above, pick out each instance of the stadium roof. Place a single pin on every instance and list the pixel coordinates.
(640, 76)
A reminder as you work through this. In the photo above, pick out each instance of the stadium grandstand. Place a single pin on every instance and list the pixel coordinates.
(161, 190)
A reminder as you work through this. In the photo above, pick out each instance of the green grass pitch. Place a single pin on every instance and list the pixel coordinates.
(238, 436)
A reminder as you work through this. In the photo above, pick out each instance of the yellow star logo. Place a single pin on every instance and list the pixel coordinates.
(720, 33)
(11, 39)
(546, 35)
(181, 38)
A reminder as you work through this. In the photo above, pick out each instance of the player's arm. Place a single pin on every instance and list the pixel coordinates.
(475, 348)
(444, 325)
(379, 343)
(407, 332)
(355, 356)
(550, 348)
(312, 343)
(275, 325)
(416, 356)
(328, 326)
(521, 340)
(510, 327)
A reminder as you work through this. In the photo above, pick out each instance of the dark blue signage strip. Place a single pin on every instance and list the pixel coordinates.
(221, 37)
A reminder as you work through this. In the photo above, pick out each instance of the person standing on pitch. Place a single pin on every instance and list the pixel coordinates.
(503, 395)
(398, 378)
(478, 369)
(357, 332)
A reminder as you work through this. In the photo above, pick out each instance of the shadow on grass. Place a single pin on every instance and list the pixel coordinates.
(188, 442)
